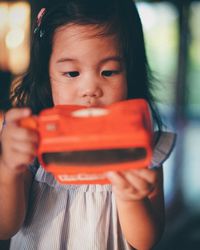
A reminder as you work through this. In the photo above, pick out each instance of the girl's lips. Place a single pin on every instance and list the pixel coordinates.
(92, 103)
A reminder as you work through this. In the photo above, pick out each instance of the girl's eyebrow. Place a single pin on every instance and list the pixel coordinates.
(111, 58)
(65, 59)
(104, 60)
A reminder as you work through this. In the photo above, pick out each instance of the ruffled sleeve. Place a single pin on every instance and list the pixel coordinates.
(163, 148)
(33, 167)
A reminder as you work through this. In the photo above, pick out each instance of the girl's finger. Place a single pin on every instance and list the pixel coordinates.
(118, 180)
(24, 148)
(20, 159)
(138, 182)
(16, 114)
(22, 134)
(121, 187)
(150, 175)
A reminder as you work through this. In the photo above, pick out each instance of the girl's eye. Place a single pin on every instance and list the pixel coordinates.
(72, 74)
(108, 73)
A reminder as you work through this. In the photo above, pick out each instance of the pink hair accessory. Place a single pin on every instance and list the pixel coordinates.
(40, 15)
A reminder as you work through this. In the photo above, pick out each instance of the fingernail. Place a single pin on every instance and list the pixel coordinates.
(110, 175)
(26, 111)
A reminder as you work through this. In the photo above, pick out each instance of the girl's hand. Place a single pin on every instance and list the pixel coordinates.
(19, 145)
(134, 184)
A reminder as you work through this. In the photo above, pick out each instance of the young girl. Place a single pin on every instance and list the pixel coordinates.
(87, 53)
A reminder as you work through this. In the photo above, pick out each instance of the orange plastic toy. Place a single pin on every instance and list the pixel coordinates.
(79, 144)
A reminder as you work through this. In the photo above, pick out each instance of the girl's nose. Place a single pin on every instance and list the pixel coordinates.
(91, 90)
(92, 93)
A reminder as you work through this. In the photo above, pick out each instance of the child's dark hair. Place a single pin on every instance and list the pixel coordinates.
(119, 17)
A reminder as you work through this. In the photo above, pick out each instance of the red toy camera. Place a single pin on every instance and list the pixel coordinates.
(79, 144)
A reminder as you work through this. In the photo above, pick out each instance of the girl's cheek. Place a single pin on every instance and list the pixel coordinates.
(119, 91)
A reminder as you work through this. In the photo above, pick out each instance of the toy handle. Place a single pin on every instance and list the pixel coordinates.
(29, 122)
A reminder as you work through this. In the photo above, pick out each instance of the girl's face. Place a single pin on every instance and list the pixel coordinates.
(86, 69)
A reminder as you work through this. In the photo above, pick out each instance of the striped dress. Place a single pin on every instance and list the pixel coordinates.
(76, 217)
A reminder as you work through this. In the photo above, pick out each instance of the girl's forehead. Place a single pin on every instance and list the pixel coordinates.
(78, 32)
(74, 36)
(84, 30)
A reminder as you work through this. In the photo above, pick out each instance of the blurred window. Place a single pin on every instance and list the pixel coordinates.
(14, 36)
(193, 80)
(161, 37)
(160, 24)
(161, 30)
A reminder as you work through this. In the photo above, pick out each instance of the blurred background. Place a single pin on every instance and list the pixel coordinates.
(172, 37)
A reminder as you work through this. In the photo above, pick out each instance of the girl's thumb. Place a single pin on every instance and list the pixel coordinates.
(16, 114)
